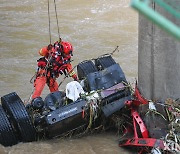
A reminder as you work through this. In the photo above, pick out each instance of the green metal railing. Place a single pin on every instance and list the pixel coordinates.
(173, 7)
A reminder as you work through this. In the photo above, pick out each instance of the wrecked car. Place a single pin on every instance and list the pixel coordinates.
(101, 98)
(104, 93)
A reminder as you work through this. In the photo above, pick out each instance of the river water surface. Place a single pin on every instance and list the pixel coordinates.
(94, 27)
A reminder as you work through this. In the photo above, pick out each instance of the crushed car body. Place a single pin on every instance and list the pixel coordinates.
(101, 97)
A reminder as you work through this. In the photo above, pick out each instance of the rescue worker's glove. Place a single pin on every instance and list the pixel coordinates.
(75, 77)
(41, 64)
(62, 70)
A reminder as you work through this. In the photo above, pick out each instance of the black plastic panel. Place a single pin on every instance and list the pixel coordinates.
(54, 99)
(113, 107)
(65, 119)
(105, 79)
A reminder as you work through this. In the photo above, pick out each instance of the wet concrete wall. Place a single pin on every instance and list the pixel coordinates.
(158, 60)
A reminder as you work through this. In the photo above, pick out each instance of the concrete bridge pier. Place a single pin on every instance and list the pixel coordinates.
(158, 60)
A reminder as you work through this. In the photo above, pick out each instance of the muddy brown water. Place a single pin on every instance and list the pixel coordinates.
(93, 27)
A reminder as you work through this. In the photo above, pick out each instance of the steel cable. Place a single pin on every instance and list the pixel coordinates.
(56, 18)
(49, 23)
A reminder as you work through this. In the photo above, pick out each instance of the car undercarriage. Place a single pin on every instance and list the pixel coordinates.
(107, 100)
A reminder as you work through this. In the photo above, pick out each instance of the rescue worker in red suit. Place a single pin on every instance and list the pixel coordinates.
(55, 61)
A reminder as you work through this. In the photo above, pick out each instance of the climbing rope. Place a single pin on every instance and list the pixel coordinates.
(50, 20)
(49, 23)
(56, 18)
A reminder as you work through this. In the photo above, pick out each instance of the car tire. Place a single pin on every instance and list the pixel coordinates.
(84, 68)
(16, 110)
(7, 133)
(104, 62)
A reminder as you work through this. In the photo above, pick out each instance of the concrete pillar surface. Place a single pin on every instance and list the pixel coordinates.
(158, 60)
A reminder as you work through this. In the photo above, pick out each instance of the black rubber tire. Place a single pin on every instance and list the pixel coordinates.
(84, 68)
(16, 110)
(7, 133)
(104, 62)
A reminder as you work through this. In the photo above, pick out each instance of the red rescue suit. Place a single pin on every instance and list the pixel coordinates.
(56, 61)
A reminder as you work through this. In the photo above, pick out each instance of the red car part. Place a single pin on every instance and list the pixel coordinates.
(145, 141)
(137, 141)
